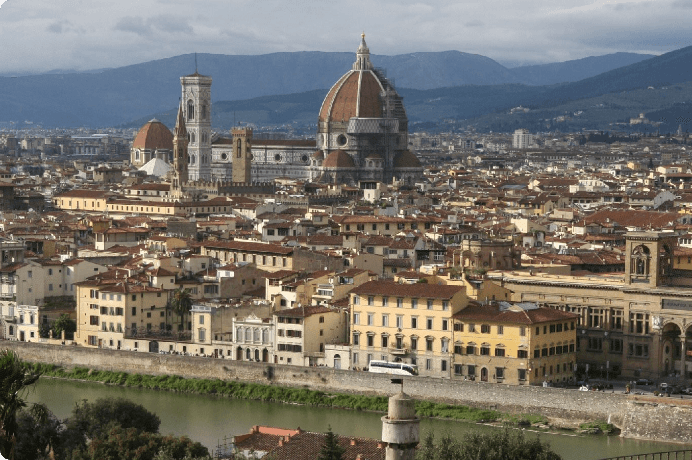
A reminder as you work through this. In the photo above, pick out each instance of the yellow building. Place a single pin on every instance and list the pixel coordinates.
(636, 324)
(518, 344)
(120, 314)
(410, 323)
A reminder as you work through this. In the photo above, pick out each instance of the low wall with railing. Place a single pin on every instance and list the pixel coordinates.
(659, 420)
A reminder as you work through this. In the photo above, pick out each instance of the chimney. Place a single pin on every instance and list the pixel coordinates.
(380, 445)
(353, 442)
(255, 429)
(281, 442)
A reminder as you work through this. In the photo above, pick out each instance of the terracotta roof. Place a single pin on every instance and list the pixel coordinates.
(339, 159)
(248, 246)
(433, 291)
(154, 135)
(356, 94)
(518, 315)
(406, 159)
(304, 312)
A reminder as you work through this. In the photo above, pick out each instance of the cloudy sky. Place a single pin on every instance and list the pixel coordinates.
(43, 35)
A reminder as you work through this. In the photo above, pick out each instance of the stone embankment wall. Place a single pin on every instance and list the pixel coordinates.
(654, 420)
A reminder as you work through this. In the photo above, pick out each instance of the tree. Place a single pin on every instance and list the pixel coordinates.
(331, 450)
(181, 304)
(501, 445)
(14, 379)
(130, 443)
(64, 323)
(39, 434)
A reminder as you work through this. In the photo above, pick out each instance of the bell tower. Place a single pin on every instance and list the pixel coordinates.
(649, 258)
(180, 155)
(196, 103)
(242, 155)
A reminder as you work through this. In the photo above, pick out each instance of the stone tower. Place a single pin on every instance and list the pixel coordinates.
(401, 428)
(242, 155)
(196, 101)
(649, 258)
(180, 155)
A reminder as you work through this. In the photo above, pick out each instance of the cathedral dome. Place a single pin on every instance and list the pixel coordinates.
(406, 159)
(152, 136)
(339, 159)
(357, 93)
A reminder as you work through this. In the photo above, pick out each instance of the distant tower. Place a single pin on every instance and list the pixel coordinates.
(180, 156)
(242, 155)
(196, 102)
(401, 428)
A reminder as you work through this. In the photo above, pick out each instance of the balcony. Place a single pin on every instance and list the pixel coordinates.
(399, 350)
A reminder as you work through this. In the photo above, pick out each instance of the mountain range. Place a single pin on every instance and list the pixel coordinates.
(277, 86)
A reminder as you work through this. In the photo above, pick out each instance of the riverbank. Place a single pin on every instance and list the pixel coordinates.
(270, 393)
(562, 408)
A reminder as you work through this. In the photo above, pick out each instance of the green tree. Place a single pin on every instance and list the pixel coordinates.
(92, 421)
(39, 434)
(130, 443)
(501, 445)
(14, 380)
(331, 450)
(64, 323)
(181, 302)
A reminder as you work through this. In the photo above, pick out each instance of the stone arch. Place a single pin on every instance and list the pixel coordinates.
(640, 260)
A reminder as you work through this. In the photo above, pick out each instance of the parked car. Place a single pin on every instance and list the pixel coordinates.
(687, 391)
(584, 388)
(642, 382)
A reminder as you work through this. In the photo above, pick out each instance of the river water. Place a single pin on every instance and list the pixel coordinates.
(208, 419)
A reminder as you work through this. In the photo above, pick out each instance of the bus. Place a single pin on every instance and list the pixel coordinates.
(385, 367)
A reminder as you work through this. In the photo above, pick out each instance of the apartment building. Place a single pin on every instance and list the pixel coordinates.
(409, 323)
(121, 313)
(518, 344)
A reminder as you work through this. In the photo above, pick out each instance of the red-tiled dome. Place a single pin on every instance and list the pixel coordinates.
(343, 101)
(406, 159)
(339, 159)
(154, 135)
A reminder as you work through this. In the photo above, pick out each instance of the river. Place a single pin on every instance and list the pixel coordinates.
(208, 419)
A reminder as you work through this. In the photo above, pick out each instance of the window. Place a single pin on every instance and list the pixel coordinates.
(414, 343)
(355, 358)
(594, 344)
(321, 319)
(385, 301)
(470, 349)
(356, 300)
(471, 370)
(459, 327)
(430, 304)
(356, 338)
(499, 373)
(429, 323)
(50, 272)
(445, 324)
(485, 329)
(399, 321)
(428, 364)
(385, 320)
(429, 344)
(385, 341)
(93, 320)
(457, 369)
(616, 346)
(615, 319)
(443, 365)
(371, 340)
(445, 304)
(638, 350)
(356, 318)
(30, 274)
(522, 354)
(414, 303)
(485, 350)
(522, 374)
(202, 335)
(499, 352)
(371, 319)
(414, 322)
(522, 331)
(371, 300)
(472, 327)
(500, 329)
(201, 319)
(639, 323)
(445, 346)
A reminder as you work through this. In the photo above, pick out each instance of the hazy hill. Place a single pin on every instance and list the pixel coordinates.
(114, 96)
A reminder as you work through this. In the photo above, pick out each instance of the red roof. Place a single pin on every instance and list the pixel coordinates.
(154, 135)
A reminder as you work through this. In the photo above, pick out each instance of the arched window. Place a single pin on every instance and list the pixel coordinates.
(248, 334)
(238, 334)
(257, 355)
(204, 111)
(248, 355)
(265, 336)
(255, 335)
(239, 144)
(190, 110)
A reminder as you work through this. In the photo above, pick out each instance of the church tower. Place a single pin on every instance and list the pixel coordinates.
(196, 101)
(180, 155)
(242, 155)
